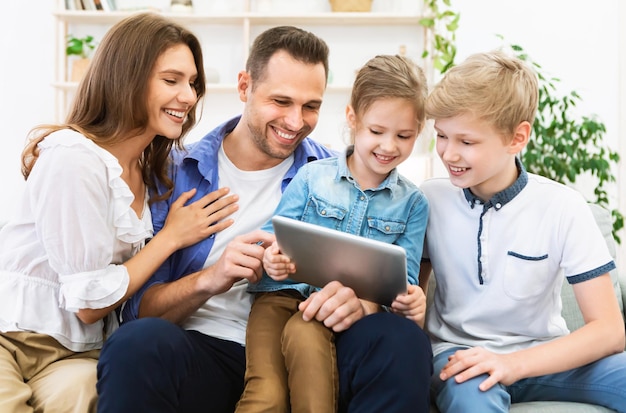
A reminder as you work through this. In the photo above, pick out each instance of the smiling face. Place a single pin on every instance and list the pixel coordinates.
(477, 156)
(171, 91)
(282, 107)
(384, 137)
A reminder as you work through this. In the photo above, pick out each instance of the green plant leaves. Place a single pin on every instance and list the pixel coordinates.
(79, 46)
(565, 146)
(442, 24)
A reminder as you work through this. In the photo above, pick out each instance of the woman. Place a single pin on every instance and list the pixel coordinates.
(77, 248)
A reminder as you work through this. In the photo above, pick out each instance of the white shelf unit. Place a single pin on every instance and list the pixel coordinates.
(353, 38)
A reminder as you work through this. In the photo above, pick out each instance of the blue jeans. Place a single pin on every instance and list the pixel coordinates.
(601, 383)
(385, 364)
(152, 365)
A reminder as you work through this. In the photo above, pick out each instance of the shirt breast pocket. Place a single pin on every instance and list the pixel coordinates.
(526, 275)
(386, 230)
(327, 214)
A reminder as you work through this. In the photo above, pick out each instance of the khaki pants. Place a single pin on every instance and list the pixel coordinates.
(291, 364)
(37, 374)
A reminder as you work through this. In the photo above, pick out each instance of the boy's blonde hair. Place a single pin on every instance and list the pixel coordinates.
(495, 87)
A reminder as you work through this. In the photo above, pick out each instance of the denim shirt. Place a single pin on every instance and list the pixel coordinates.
(324, 192)
(196, 167)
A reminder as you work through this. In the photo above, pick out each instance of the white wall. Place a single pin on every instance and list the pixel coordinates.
(575, 41)
(26, 97)
(622, 126)
(572, 40)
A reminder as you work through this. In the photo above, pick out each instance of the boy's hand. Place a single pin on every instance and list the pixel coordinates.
(411, 305)
(276, 264)
(467, 364)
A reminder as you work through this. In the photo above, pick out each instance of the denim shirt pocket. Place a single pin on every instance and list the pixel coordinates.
(526, 275)
(322, 212)
(385, 229)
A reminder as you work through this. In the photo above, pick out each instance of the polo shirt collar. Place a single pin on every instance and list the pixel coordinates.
(503, 197)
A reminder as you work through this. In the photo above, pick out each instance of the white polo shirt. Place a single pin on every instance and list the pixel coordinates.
(499, 265)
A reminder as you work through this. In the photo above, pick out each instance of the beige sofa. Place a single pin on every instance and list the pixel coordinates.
(574, 320)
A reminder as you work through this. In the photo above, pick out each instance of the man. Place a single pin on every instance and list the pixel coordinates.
(185, 353)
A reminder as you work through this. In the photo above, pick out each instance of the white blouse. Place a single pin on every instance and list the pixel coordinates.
(63, 251)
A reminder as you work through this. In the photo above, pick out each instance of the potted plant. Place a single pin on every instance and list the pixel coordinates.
(566, 146)
(82, 47)
(441, 22)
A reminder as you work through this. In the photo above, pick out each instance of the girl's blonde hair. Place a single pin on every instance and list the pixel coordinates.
(390, 76)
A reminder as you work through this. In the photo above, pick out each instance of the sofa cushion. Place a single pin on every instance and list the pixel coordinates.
(557, 407)
(551, 407)
(571, 312)
(605, 223)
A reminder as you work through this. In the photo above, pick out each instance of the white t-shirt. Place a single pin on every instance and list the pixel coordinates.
(63, 251)
(259, 193)
(499, 270)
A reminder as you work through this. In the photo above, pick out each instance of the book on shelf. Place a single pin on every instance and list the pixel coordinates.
(74, 5)
(90, 5)
(108, 5)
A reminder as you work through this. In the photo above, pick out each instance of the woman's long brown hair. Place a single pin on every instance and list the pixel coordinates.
(110, 104)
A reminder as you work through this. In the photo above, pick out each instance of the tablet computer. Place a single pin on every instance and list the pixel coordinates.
(375, 270)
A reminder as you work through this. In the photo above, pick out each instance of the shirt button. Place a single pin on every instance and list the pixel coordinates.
(498, 205)
(362, 198)
(387, 228)
(323, 212)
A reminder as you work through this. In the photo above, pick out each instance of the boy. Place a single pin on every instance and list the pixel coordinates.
(499, 241)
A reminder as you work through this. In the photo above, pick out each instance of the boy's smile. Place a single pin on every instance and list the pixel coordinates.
(476, 155)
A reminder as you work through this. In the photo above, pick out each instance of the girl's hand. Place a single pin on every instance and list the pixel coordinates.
(188, 224)
(411, 305)
(277, 265)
